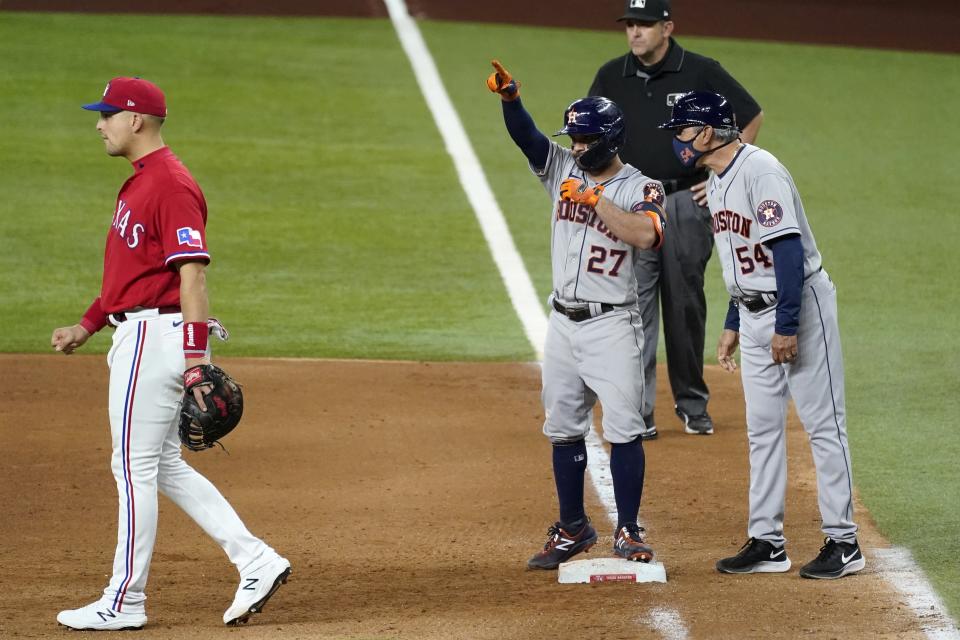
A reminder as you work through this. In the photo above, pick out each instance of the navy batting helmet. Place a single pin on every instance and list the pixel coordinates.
(595, 116)
(701, 108)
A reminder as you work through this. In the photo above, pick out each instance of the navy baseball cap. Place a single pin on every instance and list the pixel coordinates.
(647, 11)
(131, 94)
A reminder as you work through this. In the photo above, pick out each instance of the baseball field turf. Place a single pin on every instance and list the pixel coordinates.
(339, 229)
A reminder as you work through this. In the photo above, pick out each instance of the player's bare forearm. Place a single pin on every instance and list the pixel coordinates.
(194, 302)
(634, 229)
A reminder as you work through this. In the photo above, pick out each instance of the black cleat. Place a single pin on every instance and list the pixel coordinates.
(562, 545)
(629, 543)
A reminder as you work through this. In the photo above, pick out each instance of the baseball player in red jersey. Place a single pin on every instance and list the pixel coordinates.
(154, 294)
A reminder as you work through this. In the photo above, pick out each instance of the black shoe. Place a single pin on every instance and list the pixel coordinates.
(700, 425)
(836, 560)
(562, 545)
(650, 429)
(756, 556)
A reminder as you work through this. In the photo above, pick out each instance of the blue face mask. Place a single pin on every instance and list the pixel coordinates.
(685, 151)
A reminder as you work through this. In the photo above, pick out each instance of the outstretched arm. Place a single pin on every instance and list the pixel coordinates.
(520, 125)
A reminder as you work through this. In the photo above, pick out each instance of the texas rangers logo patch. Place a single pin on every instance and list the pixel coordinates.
(653, 192)
(189, 237)
(769, 213)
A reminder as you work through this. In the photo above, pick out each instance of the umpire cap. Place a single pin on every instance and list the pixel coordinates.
(701, 108)
(647, 11)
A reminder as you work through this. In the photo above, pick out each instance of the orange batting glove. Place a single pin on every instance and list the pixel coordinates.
(575, 191)
(500, 81)
(659, 219)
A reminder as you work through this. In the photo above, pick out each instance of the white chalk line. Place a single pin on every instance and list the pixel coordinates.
(517, 280)
(898, 568)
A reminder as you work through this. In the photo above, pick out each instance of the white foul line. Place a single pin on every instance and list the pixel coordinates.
(519, 286)
(897, 566)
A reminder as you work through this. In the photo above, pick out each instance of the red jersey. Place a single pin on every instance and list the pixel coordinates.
(159, 220)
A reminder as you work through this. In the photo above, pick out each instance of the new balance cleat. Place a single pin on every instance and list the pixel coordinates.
(756, 556)
(836, 560)
(256, 587)
(100, 616)
(629, 543)
(562, 545)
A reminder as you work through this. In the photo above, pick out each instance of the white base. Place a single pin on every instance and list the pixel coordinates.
(610, 570)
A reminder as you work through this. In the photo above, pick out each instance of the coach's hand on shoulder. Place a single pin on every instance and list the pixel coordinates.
(500, 81)
(699, 193)
(67, 339)
(726, 347)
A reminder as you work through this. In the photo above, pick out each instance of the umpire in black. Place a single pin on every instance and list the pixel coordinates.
(645, 83)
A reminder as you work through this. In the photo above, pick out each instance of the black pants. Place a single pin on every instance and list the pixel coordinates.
(674, 275)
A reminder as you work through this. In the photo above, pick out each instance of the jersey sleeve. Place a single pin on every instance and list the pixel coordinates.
(182, 225)
(559, 163)
(649, 191)
(718, 80)
(773, 206)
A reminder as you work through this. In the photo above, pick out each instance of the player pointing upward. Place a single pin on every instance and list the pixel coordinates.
(783, 314)
(602, 211)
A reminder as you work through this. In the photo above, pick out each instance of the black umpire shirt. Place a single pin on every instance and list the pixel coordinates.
(646, 96)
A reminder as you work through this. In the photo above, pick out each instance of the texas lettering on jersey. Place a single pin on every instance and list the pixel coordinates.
(121, 222)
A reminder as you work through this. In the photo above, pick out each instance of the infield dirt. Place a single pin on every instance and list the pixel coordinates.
(408, 497)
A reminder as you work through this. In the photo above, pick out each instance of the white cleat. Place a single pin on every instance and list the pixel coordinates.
(98, 616)
(255, 589)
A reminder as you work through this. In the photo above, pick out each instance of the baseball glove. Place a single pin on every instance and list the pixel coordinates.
(201, 429)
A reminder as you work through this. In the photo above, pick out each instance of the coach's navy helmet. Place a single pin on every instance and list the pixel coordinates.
(595, 116)
(701, 108)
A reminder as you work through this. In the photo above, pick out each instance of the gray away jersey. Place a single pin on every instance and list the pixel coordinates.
(590, 264)
(754, 201)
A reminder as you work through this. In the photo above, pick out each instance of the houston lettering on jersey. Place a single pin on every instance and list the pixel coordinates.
(579, 213)
(731, 221)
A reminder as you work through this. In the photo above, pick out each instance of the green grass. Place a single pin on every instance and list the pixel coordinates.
(872, 147)
(337, 224)
(339, 229)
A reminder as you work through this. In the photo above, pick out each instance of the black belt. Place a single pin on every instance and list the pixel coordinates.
(758, 303)
(767, 298)
(122, 316)
(672, 186)
(581, 314)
